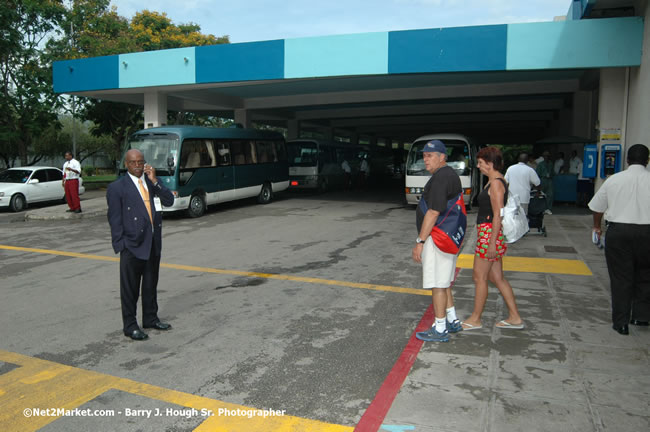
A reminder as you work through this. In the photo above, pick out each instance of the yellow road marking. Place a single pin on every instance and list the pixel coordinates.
(534, 265)
(516, 264)
(43, 384)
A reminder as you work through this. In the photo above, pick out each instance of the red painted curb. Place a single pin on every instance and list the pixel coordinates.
(372, 419)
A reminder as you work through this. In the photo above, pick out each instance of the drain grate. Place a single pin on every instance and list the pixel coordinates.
(560, 249)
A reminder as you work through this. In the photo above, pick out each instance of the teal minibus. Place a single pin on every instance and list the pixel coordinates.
(204, 166)
(318, 164)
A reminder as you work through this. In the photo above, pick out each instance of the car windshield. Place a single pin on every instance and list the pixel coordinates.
(457, 158)
(14, 176)
(159, 150)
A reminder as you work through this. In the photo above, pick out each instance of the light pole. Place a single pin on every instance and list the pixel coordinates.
(74, 126)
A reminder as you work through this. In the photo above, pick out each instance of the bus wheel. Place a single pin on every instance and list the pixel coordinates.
(266, 194)
(197, 206)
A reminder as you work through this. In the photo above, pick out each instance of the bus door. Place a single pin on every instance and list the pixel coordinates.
(225, 172)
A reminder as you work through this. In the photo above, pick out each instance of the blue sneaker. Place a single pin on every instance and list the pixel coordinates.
(433, 336)
(454, 327)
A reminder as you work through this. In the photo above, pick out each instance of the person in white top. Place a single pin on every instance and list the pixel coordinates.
(347, 174)
(71, 174)
(575, 164)
(520, 178)
(625, 198)
(364, 172)
(559, 163)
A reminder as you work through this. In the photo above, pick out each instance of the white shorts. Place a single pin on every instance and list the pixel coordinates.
(438, 268)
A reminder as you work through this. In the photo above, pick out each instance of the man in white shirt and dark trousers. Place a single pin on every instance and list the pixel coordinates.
(71, 174)
(520, 177)
(626, 198)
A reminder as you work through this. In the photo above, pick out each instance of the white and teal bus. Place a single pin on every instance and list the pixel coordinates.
(204, 166)
(461, 156)
(317, 164)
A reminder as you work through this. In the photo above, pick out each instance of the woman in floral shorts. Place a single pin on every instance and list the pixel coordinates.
(491, 248)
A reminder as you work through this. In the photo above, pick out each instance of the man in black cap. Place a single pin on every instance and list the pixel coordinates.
(438, 268)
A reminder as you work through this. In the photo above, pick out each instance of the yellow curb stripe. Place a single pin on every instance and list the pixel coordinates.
(534, 265)
(43, 384)
(465, 261)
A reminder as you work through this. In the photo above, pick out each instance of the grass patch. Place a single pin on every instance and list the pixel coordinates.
(99, 179)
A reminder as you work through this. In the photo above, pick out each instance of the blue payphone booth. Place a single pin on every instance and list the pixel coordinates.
(610, 155)
(590, 161)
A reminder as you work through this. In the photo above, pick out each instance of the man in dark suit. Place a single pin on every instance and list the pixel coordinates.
(134, 201)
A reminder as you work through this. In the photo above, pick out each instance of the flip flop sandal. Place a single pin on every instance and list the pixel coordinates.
(468, 326)
(506, 325)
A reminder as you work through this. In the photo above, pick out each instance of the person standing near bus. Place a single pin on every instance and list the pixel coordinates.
(438, 268)
(364, 172)
(135, 216)
(347, 174)
(71, 174)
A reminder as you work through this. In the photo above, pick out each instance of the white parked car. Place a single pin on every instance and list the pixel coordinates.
(22, 186)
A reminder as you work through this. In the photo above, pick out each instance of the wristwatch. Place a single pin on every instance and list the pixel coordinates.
(419, 240)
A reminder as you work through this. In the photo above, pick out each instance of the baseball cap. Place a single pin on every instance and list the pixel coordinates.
(435, 146)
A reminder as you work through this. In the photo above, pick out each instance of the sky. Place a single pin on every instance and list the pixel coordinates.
(260, 20)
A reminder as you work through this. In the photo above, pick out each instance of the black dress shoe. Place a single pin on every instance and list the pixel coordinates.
(639, 323)
(137, 335)
(159, 326)
(624, 330)
(76, 211)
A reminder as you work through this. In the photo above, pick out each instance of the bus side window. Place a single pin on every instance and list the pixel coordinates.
(263, 152)
(238, 157)
(223, 152)
(274, 151)
(251, 155)
(281, 150)
(191, 157)
(209, 158)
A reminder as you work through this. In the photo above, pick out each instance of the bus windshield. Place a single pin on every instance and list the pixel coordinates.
(302, 153)
(457, 158)
(159, 150)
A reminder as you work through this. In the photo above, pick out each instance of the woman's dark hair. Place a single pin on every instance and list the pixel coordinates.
(492, 154)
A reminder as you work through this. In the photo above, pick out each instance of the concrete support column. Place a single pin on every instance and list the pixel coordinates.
(243, 118)
(584, 120)
(354, 138)
(155, 109)
(612, 108)
(373, 140)
(293, 129)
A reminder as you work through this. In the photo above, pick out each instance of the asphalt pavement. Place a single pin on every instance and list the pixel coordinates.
(567, 370)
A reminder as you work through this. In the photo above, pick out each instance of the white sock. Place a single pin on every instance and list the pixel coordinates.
(451, 314)
(441, 325)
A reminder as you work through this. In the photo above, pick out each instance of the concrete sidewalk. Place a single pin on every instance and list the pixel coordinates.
(568, 370)
(93, 204)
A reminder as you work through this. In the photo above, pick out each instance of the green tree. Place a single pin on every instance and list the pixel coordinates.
(27, 102)
(92, 28)
(155, 31)
(88, 144)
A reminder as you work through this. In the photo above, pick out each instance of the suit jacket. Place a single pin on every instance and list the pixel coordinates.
(129, 220)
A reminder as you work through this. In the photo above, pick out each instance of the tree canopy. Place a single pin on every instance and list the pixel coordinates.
(34, 33)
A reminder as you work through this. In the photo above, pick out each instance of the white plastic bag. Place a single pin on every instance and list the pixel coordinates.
(514, 222)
